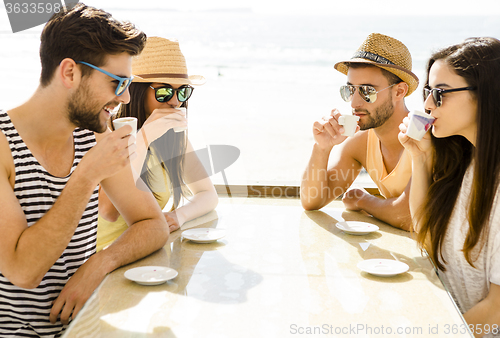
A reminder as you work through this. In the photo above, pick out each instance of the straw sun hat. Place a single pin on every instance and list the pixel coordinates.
(162, 61)
(387, 53)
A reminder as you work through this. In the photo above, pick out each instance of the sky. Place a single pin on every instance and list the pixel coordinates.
(327, 7)
(313, 7)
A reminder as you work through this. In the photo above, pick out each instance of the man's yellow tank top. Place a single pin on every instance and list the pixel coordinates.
(108, 232)
(392, 184)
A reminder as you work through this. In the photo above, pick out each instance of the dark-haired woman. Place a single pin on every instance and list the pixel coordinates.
(168, 166)
(454, 197)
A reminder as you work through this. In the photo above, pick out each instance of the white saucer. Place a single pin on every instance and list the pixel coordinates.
(150, 275)
(204, 235)
(383, 267)
(356, 228)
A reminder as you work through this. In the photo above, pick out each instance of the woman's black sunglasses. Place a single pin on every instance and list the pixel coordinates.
(437, 93)
(165, 93)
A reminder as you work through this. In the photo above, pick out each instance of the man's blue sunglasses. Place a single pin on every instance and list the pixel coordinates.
(123, 82)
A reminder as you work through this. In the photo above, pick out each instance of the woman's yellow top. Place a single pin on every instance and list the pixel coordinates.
(108, 232)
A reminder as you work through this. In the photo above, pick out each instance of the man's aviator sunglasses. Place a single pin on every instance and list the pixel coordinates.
(437, 93)
(165, 93)
(368, 93)
(123, 82)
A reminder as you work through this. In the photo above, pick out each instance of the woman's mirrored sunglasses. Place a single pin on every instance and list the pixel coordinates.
(123, 82)
(165, 93)
(437, 93)
(368, 93)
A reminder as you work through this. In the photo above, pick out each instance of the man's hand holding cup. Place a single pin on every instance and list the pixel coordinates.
(334, 129)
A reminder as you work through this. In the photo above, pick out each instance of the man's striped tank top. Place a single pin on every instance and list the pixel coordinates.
(25, 312)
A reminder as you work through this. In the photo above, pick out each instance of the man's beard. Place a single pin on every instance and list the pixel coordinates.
(81, 108)
(380, 116)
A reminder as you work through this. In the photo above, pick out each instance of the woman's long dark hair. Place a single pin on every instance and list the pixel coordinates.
(477, 60)
(170, 148)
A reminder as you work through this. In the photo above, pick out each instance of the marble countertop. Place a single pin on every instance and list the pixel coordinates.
(280, 271)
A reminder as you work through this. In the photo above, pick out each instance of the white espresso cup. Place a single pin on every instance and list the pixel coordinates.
(420, 123)
(179, 129)
(126, 121)
(349, 122)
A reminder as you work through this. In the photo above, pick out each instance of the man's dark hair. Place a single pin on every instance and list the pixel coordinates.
(87, 34)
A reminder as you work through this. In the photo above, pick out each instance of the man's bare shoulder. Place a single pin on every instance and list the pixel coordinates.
(355, 147)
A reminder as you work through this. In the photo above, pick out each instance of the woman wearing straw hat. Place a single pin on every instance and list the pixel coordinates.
(168, 164)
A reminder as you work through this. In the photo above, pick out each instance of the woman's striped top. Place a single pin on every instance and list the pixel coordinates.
(25, 312)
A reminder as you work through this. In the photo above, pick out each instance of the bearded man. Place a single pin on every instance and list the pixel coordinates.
(55, 150)
(379, 77)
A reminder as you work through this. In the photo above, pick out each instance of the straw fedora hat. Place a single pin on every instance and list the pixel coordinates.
(162, 61)
(387, 53)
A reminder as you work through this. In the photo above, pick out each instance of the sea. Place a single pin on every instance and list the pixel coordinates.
(269, 76)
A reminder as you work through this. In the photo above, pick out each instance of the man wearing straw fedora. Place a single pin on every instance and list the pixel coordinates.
(55, 151)
(379, 77)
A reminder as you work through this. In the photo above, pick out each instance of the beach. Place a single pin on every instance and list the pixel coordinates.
(269, 77)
